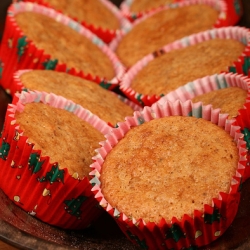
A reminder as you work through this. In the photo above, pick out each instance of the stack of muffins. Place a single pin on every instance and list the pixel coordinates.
(139, 111)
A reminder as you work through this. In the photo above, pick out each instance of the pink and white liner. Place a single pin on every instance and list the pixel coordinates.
(145, 231)
(240, 34)
(219, 5)
(27, 6)
(207, 84)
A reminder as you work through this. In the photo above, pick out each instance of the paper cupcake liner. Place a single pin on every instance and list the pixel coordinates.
(195, 231)
(35, 184)
(107, 35)
(222, 21)
(18, 52)
(237, 33)
(17, 87)
(205, 85)
(233, 11)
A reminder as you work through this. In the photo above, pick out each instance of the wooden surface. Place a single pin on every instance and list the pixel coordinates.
(4, 246)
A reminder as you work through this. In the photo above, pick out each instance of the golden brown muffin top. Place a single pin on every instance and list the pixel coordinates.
(229, 100)
(91, 11)
(144, 5)
(90, 95)
(65, 44)
(178, 67)
(169, 167)
(61, 135)
(163, 28)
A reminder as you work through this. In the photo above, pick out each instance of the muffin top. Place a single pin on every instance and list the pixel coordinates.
(65, 44)
(61, 135)
(90, 95)
(144, 5)
(168, 167)
(229, 100)
(162, 28)
(178, 67)
(91, 11)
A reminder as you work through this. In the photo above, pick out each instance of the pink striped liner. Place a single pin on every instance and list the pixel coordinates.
(33, 57)
(197, 232)
(240, 34)
(25, 171)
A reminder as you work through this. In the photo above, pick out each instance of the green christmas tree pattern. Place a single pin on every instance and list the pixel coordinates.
(4, 150)
(237, 7)
(211, 218)
(21, 45)
(105, 85)
(54, 175)
(50, 64)
(1, 69)
(74, 205)
(35, 165)
(141, 243)
(175, 232)
(246, 133)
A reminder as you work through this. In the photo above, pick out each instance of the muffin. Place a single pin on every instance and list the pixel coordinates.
(165, 25)
(105, 104)
(31, 40)
(227, 92)
(136, 8)
(183, 61)
(185, 195)
(47, 146)
(102, 17)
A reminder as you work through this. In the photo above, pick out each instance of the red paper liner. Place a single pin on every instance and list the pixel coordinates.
(240, 66)
(18, 52)
(188, 232)
(233, 12)
(107, 35)
(206, 85)
(37, 185)
(17, 86)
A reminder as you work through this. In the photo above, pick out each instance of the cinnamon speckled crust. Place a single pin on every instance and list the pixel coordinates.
(65, 44)
(169, 167)
(229, 100)
(61, 135)
(91, 11)
(144, 5)
(91, 96)
(178, 67)
(163, 28)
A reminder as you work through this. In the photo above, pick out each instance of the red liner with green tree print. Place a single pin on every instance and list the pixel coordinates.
(190, 232)
(107, 35)
(18, 52)
(38, 185)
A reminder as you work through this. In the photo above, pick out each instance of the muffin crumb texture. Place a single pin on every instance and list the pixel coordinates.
(61, 135)
(169, 167)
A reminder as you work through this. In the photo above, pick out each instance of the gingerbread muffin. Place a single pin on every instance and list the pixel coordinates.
(104, 103)
(161, 27)
(185, 60)
(228, 100)
(143, 5)
(226, 92)
(64, 44)
(49, 144)
(37, 37)
(102, 17)
(188, 177)
(178, 67)
(59, 129)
